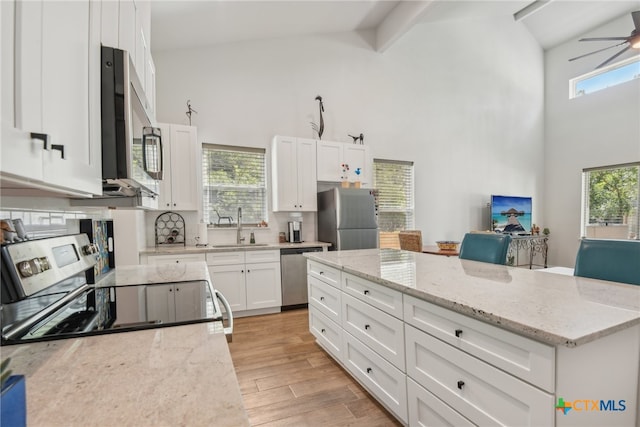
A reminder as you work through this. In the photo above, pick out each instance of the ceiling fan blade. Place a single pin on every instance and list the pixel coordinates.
(613, 57)
(596, 51)
(636, 19)
(597, 39)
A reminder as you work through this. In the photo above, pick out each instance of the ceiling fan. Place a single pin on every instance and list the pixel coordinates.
(633, 41)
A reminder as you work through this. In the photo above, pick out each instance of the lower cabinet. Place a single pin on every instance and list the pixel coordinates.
(249, 280)
(478, 391)
(175, 302)
(427, 410)
(382, 379)
(328, 333)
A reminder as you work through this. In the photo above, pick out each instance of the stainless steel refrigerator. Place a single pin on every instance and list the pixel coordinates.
(347, 218)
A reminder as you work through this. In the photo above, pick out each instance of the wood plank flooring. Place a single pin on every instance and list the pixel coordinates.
(287, 379)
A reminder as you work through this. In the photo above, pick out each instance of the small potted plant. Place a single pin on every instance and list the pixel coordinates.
(13, 404)
(546, 231)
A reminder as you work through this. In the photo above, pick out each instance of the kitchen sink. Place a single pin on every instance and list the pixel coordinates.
(238, 245)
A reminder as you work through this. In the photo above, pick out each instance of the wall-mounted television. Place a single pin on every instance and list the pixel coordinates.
(511, 214)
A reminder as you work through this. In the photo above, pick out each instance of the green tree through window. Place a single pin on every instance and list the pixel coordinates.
(611, 199)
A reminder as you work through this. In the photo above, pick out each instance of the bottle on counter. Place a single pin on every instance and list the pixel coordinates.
(252, 239)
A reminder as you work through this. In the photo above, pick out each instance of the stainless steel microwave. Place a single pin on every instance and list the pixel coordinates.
(131, 147)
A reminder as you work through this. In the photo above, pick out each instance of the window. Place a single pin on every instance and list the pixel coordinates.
(605, 77)
(233, 177)
(610, 202)
(394, 182)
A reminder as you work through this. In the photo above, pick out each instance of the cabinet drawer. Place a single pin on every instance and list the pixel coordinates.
(327, 274)
(225, 258)
(386, 299)
(427, 410)
(262, 256)
(380, 377)
(380, 331)
(325, 298)
(478, 391)
(328, 333)
(530, 360)
(173, 259)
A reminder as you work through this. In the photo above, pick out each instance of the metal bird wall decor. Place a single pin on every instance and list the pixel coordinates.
(190, 111)
(319, 129)
(358, 138)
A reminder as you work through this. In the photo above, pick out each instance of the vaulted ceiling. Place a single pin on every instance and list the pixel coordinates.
(178, 24)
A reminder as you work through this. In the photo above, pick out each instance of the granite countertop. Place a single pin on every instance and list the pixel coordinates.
(155, 274)
(173, 376)
(553, 308)
(179, 249)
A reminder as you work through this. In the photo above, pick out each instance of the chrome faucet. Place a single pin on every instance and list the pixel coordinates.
(239, 238)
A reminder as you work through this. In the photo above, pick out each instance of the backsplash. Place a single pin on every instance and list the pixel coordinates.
(44, 223)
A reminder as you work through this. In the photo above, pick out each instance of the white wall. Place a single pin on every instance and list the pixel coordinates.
(599, 129)
(468, 111)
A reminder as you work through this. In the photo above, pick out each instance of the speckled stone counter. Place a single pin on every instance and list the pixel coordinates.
(156, 273)
(174, 376)
(552, 308)
(179, 249)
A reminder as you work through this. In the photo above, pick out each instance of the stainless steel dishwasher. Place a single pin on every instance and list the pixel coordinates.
(293, 271)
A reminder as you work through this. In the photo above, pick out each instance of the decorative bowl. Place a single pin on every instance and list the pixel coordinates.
(447, 245)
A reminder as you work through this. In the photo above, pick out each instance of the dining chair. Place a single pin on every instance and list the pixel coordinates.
(411, 240)
(485, 247)
(614, 260)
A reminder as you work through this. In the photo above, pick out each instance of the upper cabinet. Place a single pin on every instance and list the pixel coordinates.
(180, 186)
(51, 96)
(293, 167)
(332, 155)
(126, 25)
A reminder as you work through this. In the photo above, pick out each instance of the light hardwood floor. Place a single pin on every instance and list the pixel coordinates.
(286, 379)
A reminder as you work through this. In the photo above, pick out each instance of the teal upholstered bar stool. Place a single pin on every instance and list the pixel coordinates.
(485, 247)
(614, 260)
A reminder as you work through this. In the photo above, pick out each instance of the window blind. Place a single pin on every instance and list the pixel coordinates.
(610, 201)
(233, 177)
(394, 181)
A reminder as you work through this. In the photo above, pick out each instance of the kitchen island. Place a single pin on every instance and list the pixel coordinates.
(167, 376)
(440, 338)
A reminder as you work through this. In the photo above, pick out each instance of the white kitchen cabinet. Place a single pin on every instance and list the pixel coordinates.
(175, 302)
(331, 156)
(478, 391)
(173, 258)
(293, 167)
(45, 146)
(250, 280)
(179, 188)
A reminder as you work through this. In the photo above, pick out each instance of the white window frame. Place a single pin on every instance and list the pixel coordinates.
(573, 83)
(410, 209)
(209, 216)
(603, 229)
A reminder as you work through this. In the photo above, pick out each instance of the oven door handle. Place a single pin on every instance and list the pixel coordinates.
(228, 331)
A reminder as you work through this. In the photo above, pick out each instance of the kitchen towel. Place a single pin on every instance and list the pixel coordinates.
(202, 238)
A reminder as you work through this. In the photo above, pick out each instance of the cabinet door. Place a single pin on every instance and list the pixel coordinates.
(185, 163)
(284, 161)
(21, 52)
(306, 176)
(357, 156)
(190, 301)
(229, 279)
(329, 161)
(161, 303)
(263, 285)
(70, 67)
(45, 35)
(179, 188)
(150, 85)
(127, 27)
